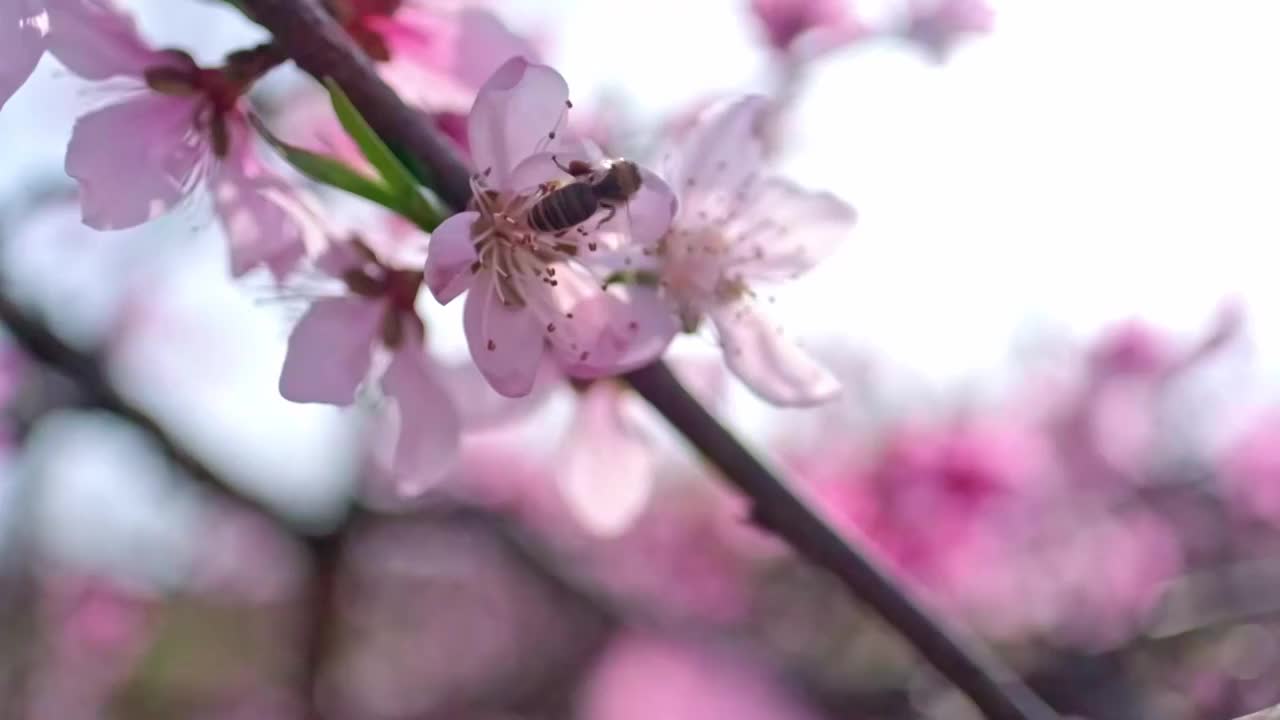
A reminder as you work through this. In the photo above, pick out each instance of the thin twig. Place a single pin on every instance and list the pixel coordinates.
(86, 373)
(319, 45)
(781, 509)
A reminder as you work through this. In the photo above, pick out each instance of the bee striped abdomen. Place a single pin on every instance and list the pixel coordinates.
(564, 208)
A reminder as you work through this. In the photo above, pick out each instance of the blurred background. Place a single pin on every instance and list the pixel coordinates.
(1059, 425)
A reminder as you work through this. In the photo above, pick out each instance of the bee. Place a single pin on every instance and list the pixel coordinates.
(565, 207)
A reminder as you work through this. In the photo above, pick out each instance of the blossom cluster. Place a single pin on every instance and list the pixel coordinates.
(576, 266)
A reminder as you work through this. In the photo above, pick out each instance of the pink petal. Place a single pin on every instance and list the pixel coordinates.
(607, 464)
(505, 342)
(330, 350)
(482, 408)
(97, 40)
(773, 367)
(135, 160)
(590, 331)
(786, 20)
(422, 43)
(637, 327)
(784, 230)
(23, 25)
(339, 258)
(266, 219)
(717, 160)
(450, 257)
(513, 116)
(644, 677)
(428, 427)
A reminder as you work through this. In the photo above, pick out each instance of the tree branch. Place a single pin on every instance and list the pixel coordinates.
(85, 370)
(319, 45)
(93, 389)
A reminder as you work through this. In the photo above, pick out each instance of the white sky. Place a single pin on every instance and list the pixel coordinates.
(1090, 160)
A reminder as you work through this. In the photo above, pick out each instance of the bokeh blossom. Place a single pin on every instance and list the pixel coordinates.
(607, 463)
(807, 26)
(738, 229)
(528, 288)
(436, 55)
(938, 26)
(23, 25)
(649, 677)
(373, 331)
(173, 127)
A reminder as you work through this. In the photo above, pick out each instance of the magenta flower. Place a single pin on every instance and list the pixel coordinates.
(333, 349)
(176, 127)
(23, 25)
(645, 676)
(939, 25)
(812, 25)
(529, 289)
(435, 57)
(737, 227)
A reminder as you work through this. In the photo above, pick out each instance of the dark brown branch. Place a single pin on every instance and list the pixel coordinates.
(85, 371)
(319, 45)
(783, 510)
(93, 389)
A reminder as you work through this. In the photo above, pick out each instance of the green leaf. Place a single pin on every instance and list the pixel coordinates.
(398, 178)
(330, 171)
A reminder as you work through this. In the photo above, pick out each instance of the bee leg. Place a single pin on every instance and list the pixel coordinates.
(576, 168)
(566, 170)
(562, 233)
(613, 210)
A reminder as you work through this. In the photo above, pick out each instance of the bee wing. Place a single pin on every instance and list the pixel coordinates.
(646, 217)
(538, 172)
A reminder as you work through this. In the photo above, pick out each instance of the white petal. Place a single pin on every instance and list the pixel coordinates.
(717, 160)
(784, 230)
(772, 366)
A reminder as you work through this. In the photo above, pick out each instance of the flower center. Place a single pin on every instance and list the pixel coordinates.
(218, 90)
(508, 246)
(696, 272)
(397, 288)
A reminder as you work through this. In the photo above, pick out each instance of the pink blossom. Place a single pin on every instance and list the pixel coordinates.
(99, 631)
(1250, 469)
(814, 24)
(333, 349)
(174, 127)
(641, 677)
(737, 227)
(529, 290)
(436, 57)
(1133, 348)
(607, 463)
(931, 496)
(939, 25)
(23, 25)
